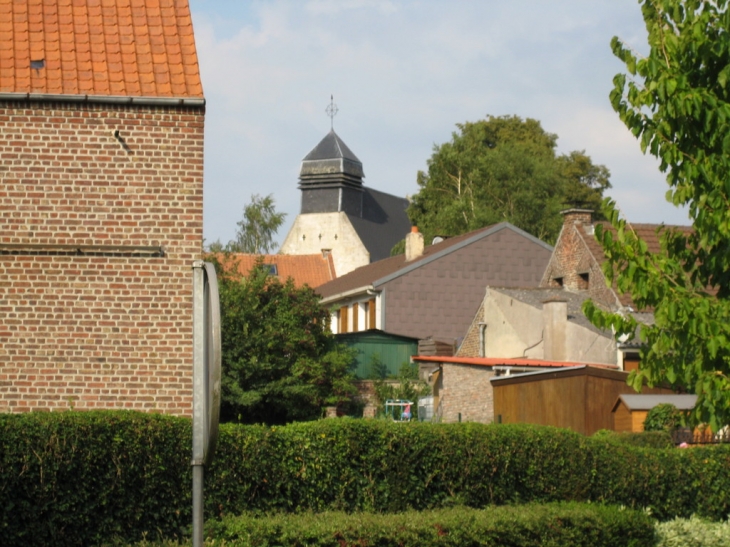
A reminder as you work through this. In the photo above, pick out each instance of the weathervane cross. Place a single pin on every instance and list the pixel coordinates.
(331, 111)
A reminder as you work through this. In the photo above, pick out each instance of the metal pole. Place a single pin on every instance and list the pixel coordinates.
(199, 414)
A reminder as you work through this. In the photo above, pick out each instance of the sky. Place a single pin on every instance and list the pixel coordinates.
(403, 73)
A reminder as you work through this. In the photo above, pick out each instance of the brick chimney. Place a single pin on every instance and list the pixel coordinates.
(555, 321)
(414, 244)
(577, 216)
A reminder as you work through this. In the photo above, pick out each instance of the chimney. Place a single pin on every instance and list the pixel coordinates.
(555, 321)
(577, 216)
(414, 244)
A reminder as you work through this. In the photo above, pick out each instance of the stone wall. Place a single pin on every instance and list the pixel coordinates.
(89, 316)
(466, 389)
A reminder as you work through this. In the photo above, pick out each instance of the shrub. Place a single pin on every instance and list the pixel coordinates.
(693, 532)
(551, 525)
(648, 439)
(663, 417)
(76, 478)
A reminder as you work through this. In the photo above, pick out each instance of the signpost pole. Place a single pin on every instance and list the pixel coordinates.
(199, 355)
(206, 382)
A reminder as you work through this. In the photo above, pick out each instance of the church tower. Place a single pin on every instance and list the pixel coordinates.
(339, 214)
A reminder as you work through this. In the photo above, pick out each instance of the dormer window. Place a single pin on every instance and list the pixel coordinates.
(583, 282)
(271, 269)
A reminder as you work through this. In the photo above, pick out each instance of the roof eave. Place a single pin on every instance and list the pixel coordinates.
(346, 294)
(105, 99)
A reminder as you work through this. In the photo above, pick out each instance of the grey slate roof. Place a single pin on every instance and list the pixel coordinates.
(384, 222)
(331, 156)
(647, 402)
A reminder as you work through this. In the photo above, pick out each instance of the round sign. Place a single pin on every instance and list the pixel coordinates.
(212, 359)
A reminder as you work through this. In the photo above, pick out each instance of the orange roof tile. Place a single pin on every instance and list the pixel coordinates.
(313, 270)
(137, 48)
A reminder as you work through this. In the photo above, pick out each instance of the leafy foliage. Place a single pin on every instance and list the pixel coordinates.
(503, 169)
(83, 478)
(280, 361)
(257, 228)
(530, 525)
(406, 386)
(693, 532)
(676, 102)
(646, 439)
(663, 417)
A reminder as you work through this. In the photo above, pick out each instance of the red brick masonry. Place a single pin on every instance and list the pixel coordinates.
(98, 329)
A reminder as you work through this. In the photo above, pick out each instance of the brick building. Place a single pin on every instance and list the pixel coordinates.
(101, 161)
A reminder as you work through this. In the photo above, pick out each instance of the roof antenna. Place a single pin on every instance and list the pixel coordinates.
(331, 111)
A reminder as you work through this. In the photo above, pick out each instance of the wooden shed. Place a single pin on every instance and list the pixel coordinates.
(629, 411)
(373, 345)
(580, 398)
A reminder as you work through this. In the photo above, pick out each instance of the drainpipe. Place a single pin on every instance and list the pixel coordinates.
(482, 339)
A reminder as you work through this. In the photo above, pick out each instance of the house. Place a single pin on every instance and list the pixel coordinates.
(630, 410)
(462, 387)
(434, 291)
(537, 323)
(101, 136)
(580, 398)
(312, 270)
(576, 267)
(339, 215)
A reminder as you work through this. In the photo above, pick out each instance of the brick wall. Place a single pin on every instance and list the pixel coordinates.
(472, 344)
(572, 264)
(98, 329)
(466, 389)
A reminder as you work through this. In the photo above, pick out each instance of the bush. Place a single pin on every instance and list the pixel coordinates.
(647, 439)
(693, 532)
(76, 478)
(663, 417)
(551, 525)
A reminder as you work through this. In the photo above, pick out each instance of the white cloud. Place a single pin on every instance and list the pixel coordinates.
(403, 74)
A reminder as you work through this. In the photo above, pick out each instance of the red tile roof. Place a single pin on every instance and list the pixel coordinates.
(650, 233)
(130, 48)
(504, 361)
(312, 270)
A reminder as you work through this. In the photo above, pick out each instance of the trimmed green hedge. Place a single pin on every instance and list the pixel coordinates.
(550, 525)
(79, 478)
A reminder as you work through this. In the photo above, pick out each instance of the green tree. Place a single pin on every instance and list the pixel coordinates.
(676, 101)
(257, 228)
(280, 361)
(503, 169)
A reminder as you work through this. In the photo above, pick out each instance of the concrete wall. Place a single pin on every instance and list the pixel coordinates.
(311, 233)
(516, 329)
(98, 329)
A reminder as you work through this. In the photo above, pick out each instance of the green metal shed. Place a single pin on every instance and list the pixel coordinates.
(392, 350)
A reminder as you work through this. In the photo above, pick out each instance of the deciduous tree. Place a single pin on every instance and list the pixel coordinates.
(280, 361)
(503, 169)
(676, 101)
(257, 228)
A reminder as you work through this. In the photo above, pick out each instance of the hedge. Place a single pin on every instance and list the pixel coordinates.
(80, 478)
(550, 525)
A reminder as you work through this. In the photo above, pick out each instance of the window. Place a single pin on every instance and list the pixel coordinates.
(583, 281)
(557, 282)
(271, 269)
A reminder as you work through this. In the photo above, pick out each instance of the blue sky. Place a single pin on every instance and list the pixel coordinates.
(403, 73)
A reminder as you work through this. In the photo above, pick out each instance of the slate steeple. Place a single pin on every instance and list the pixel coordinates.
(331, 179)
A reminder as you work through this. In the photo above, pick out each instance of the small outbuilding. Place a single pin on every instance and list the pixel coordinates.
(579, 398)
(630, 411)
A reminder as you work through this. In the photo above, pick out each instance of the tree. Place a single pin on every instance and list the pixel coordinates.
(258, 227)
(503, 169)
(676, 101)
(280, 361)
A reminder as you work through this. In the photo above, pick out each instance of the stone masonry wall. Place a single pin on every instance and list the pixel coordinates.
(98, 328)
(466, 389)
